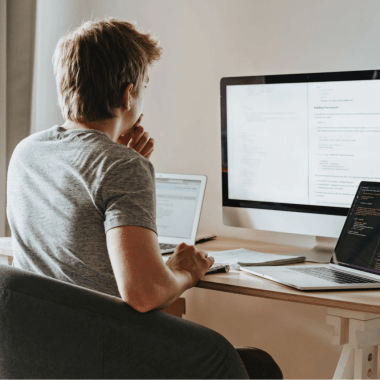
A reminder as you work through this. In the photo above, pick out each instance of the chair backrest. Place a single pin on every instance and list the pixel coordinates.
(52, 329)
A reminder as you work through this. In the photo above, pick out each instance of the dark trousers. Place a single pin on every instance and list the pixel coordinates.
(259, 364)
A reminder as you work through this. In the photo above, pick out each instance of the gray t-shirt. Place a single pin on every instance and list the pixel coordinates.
(66, 189)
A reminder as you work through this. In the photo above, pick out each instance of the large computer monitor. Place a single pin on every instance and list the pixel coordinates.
(295, 148)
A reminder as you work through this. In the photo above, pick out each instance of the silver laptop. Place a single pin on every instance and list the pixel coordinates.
(179, 200)
(355, 263)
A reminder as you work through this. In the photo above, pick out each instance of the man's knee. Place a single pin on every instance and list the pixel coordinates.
(222, 359)
(259, 364)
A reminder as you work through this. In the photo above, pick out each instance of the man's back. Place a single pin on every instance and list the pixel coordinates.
(66, 188)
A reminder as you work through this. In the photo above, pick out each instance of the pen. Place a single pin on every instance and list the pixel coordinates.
(222, 269)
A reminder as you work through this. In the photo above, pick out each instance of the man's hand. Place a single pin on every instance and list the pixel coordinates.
(138, 140)
(187, 258)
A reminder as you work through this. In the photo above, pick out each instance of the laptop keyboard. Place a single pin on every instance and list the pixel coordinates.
(167, 246)
(334, 276)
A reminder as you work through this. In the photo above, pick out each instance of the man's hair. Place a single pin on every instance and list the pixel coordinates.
(94, 63)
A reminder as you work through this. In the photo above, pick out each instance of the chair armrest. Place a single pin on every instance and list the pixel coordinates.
(177, 308)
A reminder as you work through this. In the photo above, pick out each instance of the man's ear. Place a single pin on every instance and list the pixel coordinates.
(128, 96)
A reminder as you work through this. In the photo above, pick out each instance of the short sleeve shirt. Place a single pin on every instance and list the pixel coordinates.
(65, 190)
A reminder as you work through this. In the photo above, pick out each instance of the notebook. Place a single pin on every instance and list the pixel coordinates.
(237, 258)
(355, 263)
(179, 199)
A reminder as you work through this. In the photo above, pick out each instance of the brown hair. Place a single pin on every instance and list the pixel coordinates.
(94, 63)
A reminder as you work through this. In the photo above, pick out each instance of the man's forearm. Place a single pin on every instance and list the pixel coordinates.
(181, 281)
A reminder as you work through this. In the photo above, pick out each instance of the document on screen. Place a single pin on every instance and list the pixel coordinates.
(302, 143)
(176, 206)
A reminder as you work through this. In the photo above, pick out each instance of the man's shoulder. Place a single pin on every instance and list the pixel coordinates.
(115, 154)
(110, 158)
(28, 144)
(127, 160)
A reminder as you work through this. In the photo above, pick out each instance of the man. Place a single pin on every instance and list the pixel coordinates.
(81, 196)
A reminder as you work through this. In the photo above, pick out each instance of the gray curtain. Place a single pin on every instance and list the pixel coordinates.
(21, 23)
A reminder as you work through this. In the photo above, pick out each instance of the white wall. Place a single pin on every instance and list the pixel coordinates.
(204, 41)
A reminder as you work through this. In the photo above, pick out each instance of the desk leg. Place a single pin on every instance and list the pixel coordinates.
(359, 333)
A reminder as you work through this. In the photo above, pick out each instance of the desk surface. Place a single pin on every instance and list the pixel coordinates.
(6, 247)
(243, 283)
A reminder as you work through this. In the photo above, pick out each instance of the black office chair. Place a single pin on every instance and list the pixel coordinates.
(52, 329)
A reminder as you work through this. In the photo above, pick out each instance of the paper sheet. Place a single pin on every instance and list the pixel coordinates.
(242, 256)
(239, 257)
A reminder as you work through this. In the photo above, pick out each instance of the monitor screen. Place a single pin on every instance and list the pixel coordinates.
(177, 201)
(358, 246)
(299, 142)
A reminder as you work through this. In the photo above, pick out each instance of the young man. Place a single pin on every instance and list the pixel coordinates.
(81, 196)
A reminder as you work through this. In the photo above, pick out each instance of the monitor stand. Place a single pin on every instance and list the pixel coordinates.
(321, 253)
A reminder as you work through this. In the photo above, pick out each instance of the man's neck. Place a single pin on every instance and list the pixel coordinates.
(113, 128)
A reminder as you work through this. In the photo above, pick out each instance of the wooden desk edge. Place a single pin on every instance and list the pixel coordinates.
(6, 252)
(299, 298)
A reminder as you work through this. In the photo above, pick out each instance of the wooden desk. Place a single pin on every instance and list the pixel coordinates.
(354, 314)
(6, 249)
(238, 282)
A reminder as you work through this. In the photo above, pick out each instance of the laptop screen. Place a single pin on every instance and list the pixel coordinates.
(358, 246)
(177, 201)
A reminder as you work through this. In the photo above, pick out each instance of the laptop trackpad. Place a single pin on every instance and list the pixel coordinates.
(294, 279)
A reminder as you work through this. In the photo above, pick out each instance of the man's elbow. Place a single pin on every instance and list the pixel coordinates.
(141, 307)
(140, 303)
